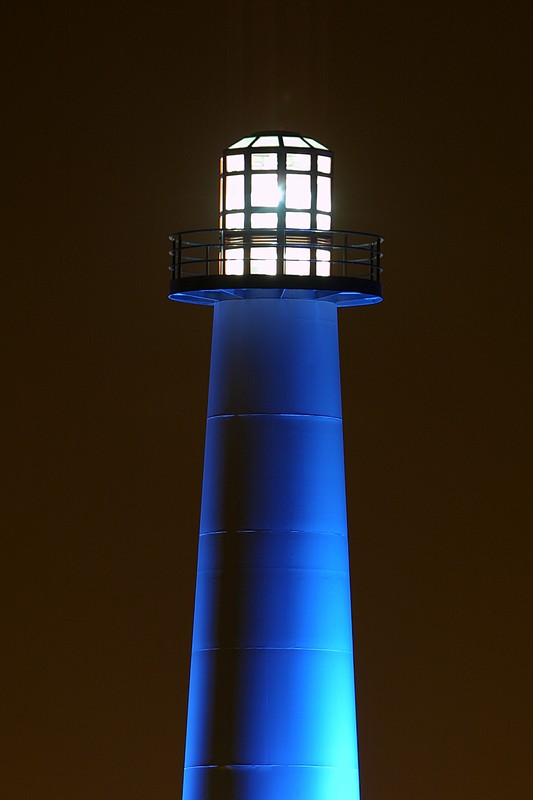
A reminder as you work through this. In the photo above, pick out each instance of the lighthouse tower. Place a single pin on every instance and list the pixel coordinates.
(271, 699)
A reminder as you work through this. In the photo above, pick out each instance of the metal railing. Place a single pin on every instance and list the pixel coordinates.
(352, 254)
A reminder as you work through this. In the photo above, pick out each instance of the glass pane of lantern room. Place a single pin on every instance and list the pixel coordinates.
(323, 222)
(235, 220)
(298, 191)
(264, 220)
(234, 192)
(234, 261)
(299, 161)
(264, 161)
(323, 263)
(294, 141)
(267, 141)
(314, 143)
(297, 261)
(324, 164)
(323, 197)
(235, 163)
(265, 191)
(298, 219)
(263, 260)
(242, 142)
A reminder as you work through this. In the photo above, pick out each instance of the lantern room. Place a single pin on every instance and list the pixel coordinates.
(275, 231)
(271, 182)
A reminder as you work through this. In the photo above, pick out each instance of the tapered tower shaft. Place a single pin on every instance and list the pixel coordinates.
(271, 703)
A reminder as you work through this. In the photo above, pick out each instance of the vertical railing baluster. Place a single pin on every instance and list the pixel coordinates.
(345, 266)
(179, 254)
(173, 255)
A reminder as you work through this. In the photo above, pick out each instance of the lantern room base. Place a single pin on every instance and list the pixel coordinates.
(208, 290)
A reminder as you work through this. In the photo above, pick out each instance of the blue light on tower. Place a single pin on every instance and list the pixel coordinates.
(271, 699)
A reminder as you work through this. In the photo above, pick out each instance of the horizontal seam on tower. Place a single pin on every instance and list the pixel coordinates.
(245, 531)
(281, 567)
(275, 532)
(279, 649)
(273, 414)
(267, 766)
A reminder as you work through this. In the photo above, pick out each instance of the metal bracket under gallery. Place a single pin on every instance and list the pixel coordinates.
(216, 264)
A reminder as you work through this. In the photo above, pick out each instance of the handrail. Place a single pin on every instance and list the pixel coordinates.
(206, 253)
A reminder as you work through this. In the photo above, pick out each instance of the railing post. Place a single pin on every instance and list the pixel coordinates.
(179, 255)
(281, 241)
(173, 255)
(378, 257)
(372, 260)
(345, 257)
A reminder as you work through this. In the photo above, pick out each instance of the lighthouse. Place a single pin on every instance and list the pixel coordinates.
(271, 713)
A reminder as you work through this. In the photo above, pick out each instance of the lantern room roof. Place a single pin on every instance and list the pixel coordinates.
(277, 139)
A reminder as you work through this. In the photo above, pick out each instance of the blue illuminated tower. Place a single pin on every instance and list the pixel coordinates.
(271, 699)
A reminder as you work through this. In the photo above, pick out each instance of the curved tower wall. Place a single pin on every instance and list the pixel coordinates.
(271, 702)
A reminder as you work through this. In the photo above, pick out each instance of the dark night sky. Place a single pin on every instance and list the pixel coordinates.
(115, 116)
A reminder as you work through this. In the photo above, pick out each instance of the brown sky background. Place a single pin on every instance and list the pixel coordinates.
(114, 117)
